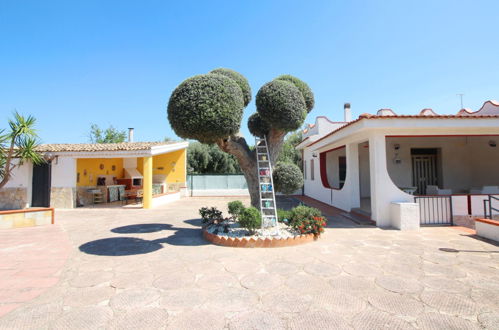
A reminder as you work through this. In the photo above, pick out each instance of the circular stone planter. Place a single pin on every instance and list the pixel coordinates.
(252, 242)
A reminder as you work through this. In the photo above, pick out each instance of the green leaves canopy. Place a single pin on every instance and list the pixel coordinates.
(257, 126)
(241, 81)
(108, 135)
(281, 104)
(306, 92)
(206, 107)
(18, 144)
(209, 159)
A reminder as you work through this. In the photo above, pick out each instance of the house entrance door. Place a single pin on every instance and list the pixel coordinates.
(41, 185)
(424, 169)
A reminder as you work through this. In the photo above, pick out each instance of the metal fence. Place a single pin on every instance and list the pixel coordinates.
(216, 181)
(491, 205)
(435, 210)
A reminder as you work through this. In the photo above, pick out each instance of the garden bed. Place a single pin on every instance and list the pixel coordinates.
(244, 227)
(257, 241)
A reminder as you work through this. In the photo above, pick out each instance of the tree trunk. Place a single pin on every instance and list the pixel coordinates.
(275, 140)
(8, 167)
(236, 145)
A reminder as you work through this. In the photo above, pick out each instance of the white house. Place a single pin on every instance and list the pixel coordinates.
(448, 164)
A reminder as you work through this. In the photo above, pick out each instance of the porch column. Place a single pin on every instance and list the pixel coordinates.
(380, 180)
(147, 184)
(352, 179)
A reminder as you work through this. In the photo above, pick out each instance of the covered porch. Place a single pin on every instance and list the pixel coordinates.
(137, 180)
(450, 176)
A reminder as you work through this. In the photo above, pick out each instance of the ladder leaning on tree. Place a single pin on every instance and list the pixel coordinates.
(265, 184)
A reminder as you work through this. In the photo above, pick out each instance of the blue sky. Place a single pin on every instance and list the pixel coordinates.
(73, 63)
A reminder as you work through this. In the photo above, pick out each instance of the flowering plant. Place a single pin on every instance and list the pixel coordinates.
(313, 225)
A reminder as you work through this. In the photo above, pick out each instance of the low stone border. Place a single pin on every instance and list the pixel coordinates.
(26, 217)
(243, 242)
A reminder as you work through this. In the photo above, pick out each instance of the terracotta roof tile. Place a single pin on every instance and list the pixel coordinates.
(85, 147)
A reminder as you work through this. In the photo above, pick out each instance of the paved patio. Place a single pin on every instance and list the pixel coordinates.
(150, 269)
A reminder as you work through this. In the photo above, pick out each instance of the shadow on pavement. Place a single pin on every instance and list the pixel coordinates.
(120, 246)
(125, 246)
(194, 222)
(141, 228)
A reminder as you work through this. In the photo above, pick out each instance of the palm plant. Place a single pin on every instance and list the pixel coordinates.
(19, 143)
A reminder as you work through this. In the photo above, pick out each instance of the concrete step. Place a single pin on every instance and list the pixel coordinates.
(361, 213)
(360, 220)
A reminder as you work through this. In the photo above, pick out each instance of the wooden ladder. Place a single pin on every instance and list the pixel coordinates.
(265, 184)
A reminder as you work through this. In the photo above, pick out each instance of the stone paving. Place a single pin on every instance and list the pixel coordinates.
(151, 269)
(31, 261)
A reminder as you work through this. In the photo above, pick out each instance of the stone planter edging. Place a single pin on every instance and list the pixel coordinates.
(244, 242)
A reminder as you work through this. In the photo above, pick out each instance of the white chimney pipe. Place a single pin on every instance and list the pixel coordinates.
(347, 112)
(130, 134)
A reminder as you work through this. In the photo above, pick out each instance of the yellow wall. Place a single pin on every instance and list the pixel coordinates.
(162, 164)
(91, 165)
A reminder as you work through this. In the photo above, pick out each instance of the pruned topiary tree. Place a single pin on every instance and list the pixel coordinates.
(209, 108)
(287, 178)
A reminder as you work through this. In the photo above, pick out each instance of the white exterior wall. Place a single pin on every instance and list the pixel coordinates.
(21, 176)
(64, 172)
(346, 198)
(383, 191)
(314, 188)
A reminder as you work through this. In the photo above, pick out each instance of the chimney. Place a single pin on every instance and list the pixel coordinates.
(130, 134)
(347, 112)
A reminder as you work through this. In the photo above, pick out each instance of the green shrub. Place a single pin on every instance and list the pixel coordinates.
(303, 212)
(283, 215)
(307, 220)
(314, 225)
(257, 126)
(307, 93)
(235, 209)
(287, 178)
(250, 219)
(206, 107)
(281, 104)
(211, 215)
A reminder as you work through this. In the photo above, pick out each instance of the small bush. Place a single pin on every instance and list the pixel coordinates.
(283, 215)
(303, 212)
(211, 215)
(314, 225)
(235, 209)
(250, 219)
(307, 220)
(287, 178)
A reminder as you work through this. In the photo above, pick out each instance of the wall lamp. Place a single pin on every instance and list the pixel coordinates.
(492, 143)
(314, 154)
(49, 157)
